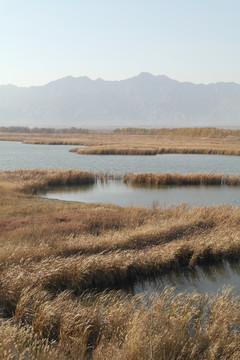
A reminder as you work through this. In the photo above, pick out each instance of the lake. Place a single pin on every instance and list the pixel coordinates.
(15, 155)
(122, 194)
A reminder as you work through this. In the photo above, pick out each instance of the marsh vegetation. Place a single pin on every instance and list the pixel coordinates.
(134, 141)
(64, 266)
(62, 263)
(34, 181)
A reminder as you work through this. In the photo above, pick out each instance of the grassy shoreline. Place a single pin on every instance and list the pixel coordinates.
(158, 151)
(54, 254)
(37, 181)
(167, 178)
(154, 141)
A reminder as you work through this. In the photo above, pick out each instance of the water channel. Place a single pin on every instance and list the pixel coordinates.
(122, 194)
(15, 155)
(211, 278)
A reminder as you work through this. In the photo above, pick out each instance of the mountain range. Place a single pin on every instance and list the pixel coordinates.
(142, 101)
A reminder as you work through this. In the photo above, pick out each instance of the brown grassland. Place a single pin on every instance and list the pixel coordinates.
(61, 262)
(168, 178)
(139, 141)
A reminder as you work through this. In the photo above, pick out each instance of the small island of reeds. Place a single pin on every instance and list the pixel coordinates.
(132, 141)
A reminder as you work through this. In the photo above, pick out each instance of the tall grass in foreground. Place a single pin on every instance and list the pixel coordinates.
(58, 261)
(112, 326)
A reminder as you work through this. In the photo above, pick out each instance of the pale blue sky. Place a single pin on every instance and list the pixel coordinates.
(187, 40)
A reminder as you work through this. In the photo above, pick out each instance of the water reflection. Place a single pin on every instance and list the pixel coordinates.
(122, 194)
(15, 155)
(72, 189)
(202, 278)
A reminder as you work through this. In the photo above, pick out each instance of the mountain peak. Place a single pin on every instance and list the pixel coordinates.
(155, 101)
(145, 75)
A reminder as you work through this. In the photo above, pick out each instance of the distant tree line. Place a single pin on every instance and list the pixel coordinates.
(191, 132)
(43, 130)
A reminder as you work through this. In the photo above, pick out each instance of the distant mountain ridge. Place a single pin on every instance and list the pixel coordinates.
(141, 101)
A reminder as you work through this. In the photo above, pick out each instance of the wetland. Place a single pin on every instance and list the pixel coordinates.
(94, 280)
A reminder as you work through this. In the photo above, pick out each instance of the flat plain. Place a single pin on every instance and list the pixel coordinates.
(136, 141)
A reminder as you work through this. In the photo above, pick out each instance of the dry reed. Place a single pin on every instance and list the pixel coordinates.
(187, 141)
(56, 257)
(111, 326)
(39, 180)
(157, 151)
(114, 151)
(182, 179)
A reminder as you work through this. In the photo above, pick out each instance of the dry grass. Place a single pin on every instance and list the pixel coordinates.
(114, 151)
(181, 141)
(210, 132)
(118, 150)
(38, 180)
(33, 181)
(115, 327)
(54, 254)
(23, 343)
(182, 179)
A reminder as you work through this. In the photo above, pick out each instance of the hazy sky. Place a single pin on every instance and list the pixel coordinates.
(187, 40)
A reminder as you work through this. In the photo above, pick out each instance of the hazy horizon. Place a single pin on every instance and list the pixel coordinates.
(43, 41)
(113, 80)
(145, 100)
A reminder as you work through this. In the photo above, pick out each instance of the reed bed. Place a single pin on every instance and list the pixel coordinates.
(211, 132)
(113, 259)
(33, 181)
(111, 326)
(61, 262)
(157, 151)
(114, 151)
(164, 141)
(38, 180)
(206, 151)
(182, 179)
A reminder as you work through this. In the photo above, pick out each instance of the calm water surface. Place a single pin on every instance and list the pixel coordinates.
(15, 155)
(122, 194)
(205, 278)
